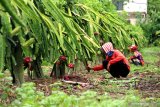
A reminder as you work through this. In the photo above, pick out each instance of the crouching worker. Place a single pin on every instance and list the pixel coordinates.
(115, 63)
(137, 58)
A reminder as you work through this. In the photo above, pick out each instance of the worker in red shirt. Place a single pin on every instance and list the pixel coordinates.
(115, 63)
(137, 58)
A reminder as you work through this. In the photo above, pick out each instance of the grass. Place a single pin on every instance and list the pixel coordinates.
(151, 54)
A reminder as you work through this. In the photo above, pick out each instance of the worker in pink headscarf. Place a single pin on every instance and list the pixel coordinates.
(137, 58)
(115, 63)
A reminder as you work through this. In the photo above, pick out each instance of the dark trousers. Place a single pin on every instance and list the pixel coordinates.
(135, 62)
(118, 69)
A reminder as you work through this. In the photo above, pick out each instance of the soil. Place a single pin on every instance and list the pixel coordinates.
(147, 84)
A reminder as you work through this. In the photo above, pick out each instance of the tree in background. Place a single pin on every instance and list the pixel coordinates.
(152, 23)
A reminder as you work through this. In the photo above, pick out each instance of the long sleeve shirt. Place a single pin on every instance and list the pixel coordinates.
(137, 55)
(116, 57)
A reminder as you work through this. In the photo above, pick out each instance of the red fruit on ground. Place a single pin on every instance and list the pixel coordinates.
(66, 78)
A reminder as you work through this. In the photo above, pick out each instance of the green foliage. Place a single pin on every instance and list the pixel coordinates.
(154, 10)
(2, 54)
(150, 54)
(75, 32)
(137, 35)
(151, 25)
(150, 29)
(52, 28)
(27, 96)
(99, 5)
(5, 89)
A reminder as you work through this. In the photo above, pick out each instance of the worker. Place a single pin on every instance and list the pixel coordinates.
(137, 58)
(115, 63)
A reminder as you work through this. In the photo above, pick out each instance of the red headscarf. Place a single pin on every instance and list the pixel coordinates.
(133, 48)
